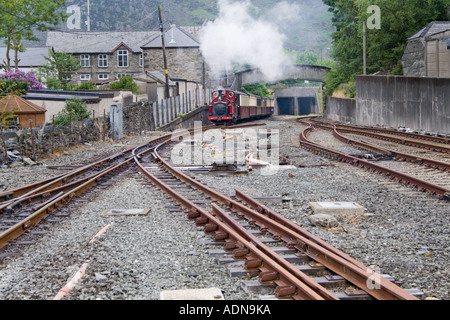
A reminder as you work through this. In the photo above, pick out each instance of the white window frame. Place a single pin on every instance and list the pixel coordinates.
(103, 61)
(120, 75)
(85, 77)
(106, 76)
(141, 60)
(124, 55)
(85, 60)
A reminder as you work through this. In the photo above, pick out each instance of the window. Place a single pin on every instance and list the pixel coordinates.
(122, 56)
(85, 60)
(103, 76)
(85, 77)
(120, 75)
(141, 60)
(102, 60)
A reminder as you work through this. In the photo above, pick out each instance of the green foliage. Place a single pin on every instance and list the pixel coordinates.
(58, 70)
(259, 89)
(15, 87)
(75, 110)
(399, 20)
(125, 83)
(7, 118)
(20, 17)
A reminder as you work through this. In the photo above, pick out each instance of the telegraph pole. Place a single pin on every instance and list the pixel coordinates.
(166, 71)
(364, 48)
(88, 22)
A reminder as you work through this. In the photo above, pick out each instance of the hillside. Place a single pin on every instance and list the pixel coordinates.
(310, 30)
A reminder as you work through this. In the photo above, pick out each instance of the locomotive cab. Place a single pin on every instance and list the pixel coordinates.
(223, 106)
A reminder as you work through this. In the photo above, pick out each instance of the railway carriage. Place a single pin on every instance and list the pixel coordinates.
(233, 106)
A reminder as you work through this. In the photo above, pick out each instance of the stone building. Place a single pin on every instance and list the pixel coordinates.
(104, 56)
(184, 59)
(107, 56)
(427, 53)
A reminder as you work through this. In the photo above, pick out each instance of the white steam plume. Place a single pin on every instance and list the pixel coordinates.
(238, 38)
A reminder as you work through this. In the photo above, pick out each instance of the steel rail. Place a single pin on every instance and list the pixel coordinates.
(260, 207)
(354, 273)
(19, 228)
(26, 191)
(241, 247)
(412, 141)
(430, 138)
(405, 178)
(400, 156)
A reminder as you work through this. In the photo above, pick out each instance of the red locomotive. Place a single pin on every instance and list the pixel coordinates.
(232, 106)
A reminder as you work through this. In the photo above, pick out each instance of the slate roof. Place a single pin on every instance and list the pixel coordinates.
(32, 57)
(174, 38)
(97, 42)
(431, 29)
(16, 104)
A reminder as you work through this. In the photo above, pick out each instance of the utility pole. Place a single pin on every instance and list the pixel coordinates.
(364, 48)
(166, 71)
(88, 22)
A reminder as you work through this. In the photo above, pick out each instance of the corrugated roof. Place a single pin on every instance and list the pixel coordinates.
(16, 104)
(174, 38)
(431, 29)
(97, 42)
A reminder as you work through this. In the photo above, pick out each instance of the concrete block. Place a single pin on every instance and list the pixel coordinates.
(192, 294)
(347, 211)
(126, 212)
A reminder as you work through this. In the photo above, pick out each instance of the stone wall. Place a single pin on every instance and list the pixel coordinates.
(183, 63)
(413, 59)
(27, 143)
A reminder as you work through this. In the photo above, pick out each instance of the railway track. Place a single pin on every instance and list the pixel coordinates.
(242, 227)
(420, 172)
(295, 263)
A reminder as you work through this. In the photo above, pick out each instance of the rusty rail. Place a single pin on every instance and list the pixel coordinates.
(405, 178)
(244, 245)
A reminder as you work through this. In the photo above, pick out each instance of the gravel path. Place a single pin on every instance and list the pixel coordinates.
(404, 233)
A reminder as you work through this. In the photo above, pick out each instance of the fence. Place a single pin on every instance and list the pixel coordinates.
(169, 109)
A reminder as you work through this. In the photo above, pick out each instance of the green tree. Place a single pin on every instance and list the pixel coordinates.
(125, 83)
(58, 70)
(259, 89)
(399, 20)
(13, 87)
(20, 17)
(74, 110)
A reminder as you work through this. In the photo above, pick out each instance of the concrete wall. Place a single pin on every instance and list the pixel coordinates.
(340, 109)
(416, 103)
(295, 94)
(437, 50)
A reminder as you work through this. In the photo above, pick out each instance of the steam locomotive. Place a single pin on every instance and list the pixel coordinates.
(233, 106)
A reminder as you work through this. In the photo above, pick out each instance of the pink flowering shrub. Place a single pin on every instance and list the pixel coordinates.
(29, 78)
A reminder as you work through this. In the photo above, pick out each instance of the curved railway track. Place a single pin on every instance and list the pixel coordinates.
(240, 225)
(235, 225)
(420, 172)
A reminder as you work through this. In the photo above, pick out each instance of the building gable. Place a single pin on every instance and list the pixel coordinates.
(173, 38)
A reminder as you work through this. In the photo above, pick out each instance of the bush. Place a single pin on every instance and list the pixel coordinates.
(19, 75)
(125, 83)
(76, 109)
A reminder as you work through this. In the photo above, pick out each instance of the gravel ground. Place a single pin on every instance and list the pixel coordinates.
(403, 232)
